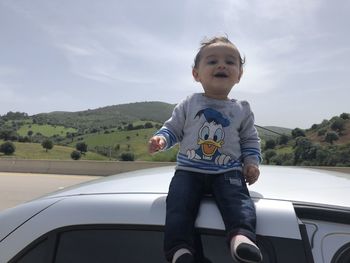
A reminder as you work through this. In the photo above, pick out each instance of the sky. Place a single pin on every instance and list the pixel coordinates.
(64, 55)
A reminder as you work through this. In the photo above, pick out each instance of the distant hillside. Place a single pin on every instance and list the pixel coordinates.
(120, 115)
(324, 144)
(340, 126)
(124, 130)
(272, 132)
(110, 116)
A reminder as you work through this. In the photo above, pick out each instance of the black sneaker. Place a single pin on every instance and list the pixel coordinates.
(185, 258)
(248, 253)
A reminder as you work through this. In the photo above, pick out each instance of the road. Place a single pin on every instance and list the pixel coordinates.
(17, 188)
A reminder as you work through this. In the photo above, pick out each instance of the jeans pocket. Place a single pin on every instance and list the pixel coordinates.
(234, 178)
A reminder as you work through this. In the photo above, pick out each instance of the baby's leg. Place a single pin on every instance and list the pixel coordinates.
(243, 249)
(183, 255)
(238, 213)
(183, 201)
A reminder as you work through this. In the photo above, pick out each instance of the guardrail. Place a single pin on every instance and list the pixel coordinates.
(81, 167)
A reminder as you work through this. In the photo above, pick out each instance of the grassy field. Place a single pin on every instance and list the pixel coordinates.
(46, 130)
(36, 151)
(135, 141)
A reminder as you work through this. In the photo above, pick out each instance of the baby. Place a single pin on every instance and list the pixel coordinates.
(219, 153)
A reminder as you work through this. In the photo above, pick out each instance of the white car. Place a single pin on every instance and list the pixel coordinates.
(303, 215)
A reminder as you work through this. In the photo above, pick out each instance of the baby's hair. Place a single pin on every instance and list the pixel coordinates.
(219, 39)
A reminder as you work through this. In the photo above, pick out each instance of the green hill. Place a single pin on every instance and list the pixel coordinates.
(115, 130)
(324, 144)
(120, 115)
(108, 117)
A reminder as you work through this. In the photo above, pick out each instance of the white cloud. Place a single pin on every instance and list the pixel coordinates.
(114, 52)
(77, 50)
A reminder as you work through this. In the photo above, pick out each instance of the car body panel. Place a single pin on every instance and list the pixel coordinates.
(139, 198)
(12, 218)
(326, 238)
(275, 218)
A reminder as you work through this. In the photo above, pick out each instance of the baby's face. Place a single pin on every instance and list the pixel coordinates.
(218, 70)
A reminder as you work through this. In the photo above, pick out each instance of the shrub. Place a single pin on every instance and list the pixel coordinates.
(148, 125)
(7, 148)
(338, 124)
(268, 155)
(75, 155)
(322, 132)
(127, 156)
(283, 139)
(47, 144)
(283, 159)
(297, 132)
(270, 144)
(81, 147)
(345, 116)
(331, 137)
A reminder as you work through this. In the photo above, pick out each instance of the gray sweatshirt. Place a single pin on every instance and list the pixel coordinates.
(215, 136)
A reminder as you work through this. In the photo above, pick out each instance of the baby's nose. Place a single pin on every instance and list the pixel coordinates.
(221, 65)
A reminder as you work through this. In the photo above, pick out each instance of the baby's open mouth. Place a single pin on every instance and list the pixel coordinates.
(220, 75)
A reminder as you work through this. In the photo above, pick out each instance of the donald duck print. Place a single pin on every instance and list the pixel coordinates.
(211, 137)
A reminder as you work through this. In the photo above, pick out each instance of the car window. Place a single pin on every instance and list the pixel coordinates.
(127, 246)
(38, 253)
(108, 245)
(91, 244)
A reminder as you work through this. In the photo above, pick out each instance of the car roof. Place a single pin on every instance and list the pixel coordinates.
(276, 182)
(138, 198)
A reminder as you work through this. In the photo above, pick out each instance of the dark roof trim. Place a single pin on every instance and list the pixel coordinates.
(323, 213)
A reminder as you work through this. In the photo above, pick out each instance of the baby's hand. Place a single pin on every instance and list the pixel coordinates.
(156, 143)
(251, 173)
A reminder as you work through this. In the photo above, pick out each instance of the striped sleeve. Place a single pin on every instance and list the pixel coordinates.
(249, 139)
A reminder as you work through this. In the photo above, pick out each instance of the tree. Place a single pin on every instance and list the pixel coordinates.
(15, 116)
(8, 135)
(297, 132)
(331, 137)
(322, 156)
(322, 132)
(268, 155)
(283, 159)
(127, 156)
(345, 116)
(270, 144)
(75, 155)
(283, 139)
(130, 127)
(304, 150)
(7, 148)
(338, 124)
(81, 147)
(30, 133)
(47, 144)
(148, 125)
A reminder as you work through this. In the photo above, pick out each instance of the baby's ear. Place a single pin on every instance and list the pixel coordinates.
(195, 74)
(240, 74)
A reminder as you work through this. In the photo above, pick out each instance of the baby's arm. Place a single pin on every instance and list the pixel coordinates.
(156, 143)
(251, 173)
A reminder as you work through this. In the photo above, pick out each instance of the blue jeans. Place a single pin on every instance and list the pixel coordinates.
(185, 193)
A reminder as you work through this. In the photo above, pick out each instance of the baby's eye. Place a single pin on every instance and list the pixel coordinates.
(230, 62)
(212, 62)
